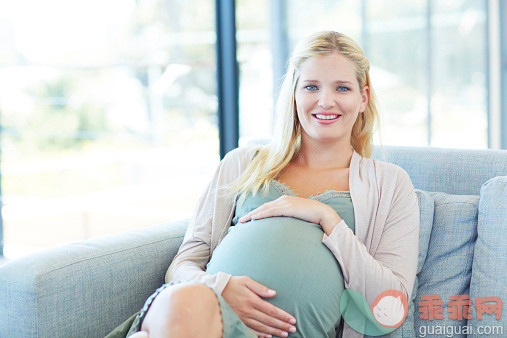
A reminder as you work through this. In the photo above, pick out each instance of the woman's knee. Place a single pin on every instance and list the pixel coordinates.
(192, 295)
(185, 303)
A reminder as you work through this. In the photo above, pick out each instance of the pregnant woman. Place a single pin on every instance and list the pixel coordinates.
(283, 229)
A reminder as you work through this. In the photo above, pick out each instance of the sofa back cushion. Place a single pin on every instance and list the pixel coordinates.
(489, 273)
(447, 269)
(453, 171)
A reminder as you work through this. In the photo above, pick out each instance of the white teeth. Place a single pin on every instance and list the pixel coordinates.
(326, 117)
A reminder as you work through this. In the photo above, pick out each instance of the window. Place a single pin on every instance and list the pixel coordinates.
(430, 67)
(255, 58)
(105, 107)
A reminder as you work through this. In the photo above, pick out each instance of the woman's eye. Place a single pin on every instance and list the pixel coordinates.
(342, 89)
(311, 88)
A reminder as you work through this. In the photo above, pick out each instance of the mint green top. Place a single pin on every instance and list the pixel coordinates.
(287, 255)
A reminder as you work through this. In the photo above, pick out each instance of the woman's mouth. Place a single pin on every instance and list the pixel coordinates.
(326, 118)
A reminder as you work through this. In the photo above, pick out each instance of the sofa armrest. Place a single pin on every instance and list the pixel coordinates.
(88, 288)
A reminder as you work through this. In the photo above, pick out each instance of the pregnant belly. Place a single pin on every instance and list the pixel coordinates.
(287, 255)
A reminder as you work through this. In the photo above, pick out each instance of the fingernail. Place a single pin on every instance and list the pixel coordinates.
(271, 292)
(284, 334)
(292, 329)
(292, 321)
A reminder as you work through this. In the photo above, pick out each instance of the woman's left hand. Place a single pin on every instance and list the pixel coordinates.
(303, 208)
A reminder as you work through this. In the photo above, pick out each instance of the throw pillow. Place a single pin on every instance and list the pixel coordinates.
(489, 273)
(448, 267)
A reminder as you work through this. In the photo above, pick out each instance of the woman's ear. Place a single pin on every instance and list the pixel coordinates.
(365, 98)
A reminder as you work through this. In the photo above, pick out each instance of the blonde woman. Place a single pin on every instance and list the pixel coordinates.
(283, 229)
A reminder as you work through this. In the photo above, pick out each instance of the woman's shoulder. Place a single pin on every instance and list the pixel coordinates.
(244, 153)
(239, 158)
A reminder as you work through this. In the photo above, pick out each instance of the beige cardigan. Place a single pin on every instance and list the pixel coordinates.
(381, 255)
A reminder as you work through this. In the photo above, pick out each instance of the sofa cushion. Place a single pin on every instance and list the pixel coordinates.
(489, 273)
(426, 209)
(448, 267)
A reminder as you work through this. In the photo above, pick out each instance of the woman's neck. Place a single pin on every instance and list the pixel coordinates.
(314, 155)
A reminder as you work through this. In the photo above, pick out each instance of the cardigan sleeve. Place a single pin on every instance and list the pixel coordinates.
(390, 262)
(209, 223)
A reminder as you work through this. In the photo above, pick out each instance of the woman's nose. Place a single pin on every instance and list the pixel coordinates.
(327, 99)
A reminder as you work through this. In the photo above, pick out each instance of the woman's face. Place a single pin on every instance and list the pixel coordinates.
(328, 98)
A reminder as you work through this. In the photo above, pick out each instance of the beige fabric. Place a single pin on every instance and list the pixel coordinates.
(382, 254)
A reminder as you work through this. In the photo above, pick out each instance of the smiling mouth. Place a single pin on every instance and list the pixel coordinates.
(325, 117)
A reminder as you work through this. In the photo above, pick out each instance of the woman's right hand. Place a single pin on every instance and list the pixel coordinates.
(243, 295)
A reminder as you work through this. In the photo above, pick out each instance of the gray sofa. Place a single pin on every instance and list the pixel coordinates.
(86, 289)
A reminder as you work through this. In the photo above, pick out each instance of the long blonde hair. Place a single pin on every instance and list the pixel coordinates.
(286, 142)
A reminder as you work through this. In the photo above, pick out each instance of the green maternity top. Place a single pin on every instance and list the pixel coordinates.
(287, 255)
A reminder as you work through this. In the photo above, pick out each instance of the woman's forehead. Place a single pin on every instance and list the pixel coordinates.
(329, 67)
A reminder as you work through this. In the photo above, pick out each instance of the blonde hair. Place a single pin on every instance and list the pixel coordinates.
(286, 142)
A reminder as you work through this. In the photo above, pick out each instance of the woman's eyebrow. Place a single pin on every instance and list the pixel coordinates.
(337, 82)
(341, 81)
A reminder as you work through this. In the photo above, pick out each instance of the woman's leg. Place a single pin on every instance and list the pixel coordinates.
(183, 310)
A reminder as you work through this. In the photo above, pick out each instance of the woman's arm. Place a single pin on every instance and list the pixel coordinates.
(393, 263)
